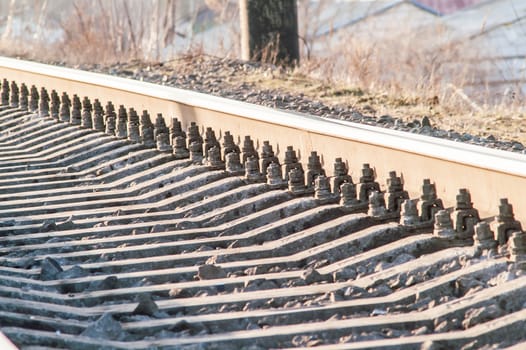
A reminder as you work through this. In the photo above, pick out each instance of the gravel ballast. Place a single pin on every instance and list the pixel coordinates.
(241, 80)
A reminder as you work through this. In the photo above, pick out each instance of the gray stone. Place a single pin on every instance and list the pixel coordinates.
(481, 314)
(402, 258)
(49, 269)
(110, 282)
(146, 305)
(378, 312)
(420, 331)
(426, 122)
(66, 225)
(105, 328)
(179, 293)
(311, 276)
(447, 325)
(207, 272)
(380, 290)
(74, 272)
(517, 146)
(48, 225)
(434, 345)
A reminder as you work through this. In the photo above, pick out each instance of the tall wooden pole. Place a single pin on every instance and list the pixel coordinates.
(269, 31)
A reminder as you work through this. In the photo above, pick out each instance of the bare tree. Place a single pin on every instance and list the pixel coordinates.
(42, 15)
(9, 24)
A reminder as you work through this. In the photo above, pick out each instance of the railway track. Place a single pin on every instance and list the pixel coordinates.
(220, 225)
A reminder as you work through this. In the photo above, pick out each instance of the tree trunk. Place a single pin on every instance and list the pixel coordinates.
(9, 24)
(41, 21)
(269, 31)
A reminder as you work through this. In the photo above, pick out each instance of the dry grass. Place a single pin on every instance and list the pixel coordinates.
(94, 37)
(404, 64)
(502, 122)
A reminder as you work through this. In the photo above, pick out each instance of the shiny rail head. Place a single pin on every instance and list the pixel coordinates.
(6, 344)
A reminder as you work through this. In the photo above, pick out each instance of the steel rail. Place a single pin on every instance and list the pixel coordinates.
(489, 174)
(5, 344)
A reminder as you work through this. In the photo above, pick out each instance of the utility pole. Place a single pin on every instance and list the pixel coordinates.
(269, 31)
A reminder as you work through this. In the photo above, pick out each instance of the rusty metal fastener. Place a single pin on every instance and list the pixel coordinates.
(98, 116)
(367, 185)
(24, 93)
(443, 227)
(179, 148)
(248, 150)
(465, 216)
(314, 169)
(409, 212)
(196, 152)
(132, 127)
(484, 238)
(121, 130)
(33, 99)
(395, 192)
(233, 163)
(75, 111)
(290, 162)
(348, 194)
(252, 169)
(5, 93)
(64, 113)
(296, 181)
(176, 129)
(110, 119)
(43, 107)
(504, 223)
(274, 175)
(429, 204)
(160, 125)
(340, 175)
(14, 95)
(517, 248)
(86, 120)
(163, 142)
(54, 108)
(209, 141)
(267, 157)
(193, 134)
(213, 158)
(376, 204)
(322, 189)
(228, 145)
(147, 130)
